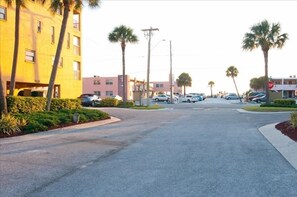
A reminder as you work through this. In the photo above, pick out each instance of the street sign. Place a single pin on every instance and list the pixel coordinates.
(270, 85)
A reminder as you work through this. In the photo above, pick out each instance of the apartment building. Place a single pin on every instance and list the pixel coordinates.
(112, 86)
(39, 34)
(287, 86)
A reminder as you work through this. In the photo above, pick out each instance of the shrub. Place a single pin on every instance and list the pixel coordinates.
(278, 105)
(284, 101)
(294, 119)
(9, 125)
(128, 104)
(26, 105)
(109, 102)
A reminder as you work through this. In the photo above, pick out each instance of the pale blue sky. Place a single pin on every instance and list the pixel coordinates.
(206, 39)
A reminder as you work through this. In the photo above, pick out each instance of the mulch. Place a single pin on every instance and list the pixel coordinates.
(287, 129)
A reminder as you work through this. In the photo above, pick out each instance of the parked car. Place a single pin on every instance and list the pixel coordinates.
(89, 99)
(259, 99)
(161, 97)
(201, 95)
(191, 98)
(254, 95)
(117, 97)
(231, 96)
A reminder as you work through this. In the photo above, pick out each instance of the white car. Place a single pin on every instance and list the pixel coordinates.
(190, 98)
(161, 97)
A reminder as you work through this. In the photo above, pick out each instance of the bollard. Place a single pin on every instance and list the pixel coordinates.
(75, 117)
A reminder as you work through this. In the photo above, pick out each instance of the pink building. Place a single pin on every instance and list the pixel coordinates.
(112, 86)
(109, 86)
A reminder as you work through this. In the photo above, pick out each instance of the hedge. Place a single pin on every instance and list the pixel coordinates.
(284, 101)
(27, 105)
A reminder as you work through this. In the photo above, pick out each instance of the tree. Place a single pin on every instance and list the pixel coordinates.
(211, 84)
(68, 5)
(257, 83)
(266, 36)
(233, 72)
(123, 35)
(184, 80)
(3, 105)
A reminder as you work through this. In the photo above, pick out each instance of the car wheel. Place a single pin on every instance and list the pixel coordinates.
(93, 104)
(156, 100)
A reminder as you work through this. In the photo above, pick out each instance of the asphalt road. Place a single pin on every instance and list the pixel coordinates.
(201, 149)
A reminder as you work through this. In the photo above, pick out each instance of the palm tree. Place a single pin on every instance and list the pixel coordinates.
(266, 36)
(211, 84)
(184, 79)
(67, 6)
(123, 35)
(18, 5)
(3, 105)
(233, 72)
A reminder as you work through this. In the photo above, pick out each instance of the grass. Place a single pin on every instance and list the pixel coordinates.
(151, 107)
(268, 109)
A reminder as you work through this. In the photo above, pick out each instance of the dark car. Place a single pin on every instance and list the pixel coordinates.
(253, 95)
(89, 99)
(260, 99)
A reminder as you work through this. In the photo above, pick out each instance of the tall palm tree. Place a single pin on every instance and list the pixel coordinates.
(18, 5)
(266, 36)
(211, 84)
(233, 72)
(184, 80)
(3, 105)
(123, 35)
(67, 6)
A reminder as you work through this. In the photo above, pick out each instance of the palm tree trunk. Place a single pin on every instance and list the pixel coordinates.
(124, 74)
(3, 105)
(184, 90)
(266, 76)
(211, 91)
(16, 48)
(236, 89)
(57, 57)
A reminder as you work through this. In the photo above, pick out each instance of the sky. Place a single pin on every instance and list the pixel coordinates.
(206, 39)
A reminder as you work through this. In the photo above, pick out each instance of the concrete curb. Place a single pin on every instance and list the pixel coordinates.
(284, 145)
(52, 133)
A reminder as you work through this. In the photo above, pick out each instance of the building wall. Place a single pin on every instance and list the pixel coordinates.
(164, 87)
(36, 25)
(288, 86)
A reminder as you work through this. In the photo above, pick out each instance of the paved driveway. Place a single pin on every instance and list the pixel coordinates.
(201, 149)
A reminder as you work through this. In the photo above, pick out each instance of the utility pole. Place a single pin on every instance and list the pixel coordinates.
(170, 75)
(148, 33)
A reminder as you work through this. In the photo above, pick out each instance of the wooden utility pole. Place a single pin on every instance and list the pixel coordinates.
(148, 33)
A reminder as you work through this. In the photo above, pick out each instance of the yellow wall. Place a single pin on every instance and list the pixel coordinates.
(40, 71)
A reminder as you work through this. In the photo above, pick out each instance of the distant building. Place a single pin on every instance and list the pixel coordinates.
(112, 86)
(288, 86)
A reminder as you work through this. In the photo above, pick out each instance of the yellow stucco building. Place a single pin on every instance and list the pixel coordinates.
(39, 34)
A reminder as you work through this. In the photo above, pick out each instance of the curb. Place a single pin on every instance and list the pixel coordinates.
(51, 133)
(284, 145)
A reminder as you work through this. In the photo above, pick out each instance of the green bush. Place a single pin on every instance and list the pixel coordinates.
(20, 104)
(128, 104)
(278, 105)
(109, 102)
(10, 125)
(42, 121)
(27, 105)
(284, 101)
(294, 119)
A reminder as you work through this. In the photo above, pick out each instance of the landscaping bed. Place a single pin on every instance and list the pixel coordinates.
(287, 129)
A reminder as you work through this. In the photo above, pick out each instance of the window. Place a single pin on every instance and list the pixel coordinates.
(30, 56)
(60, 64)
(96, 82)
(97, 93)
(159, 85)
(76, 45)
(38, 26)
(76, 21)
(76, 70)
(53, 34)
(68, 40)
(2, 13)
(108, 82)
(109, 93)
